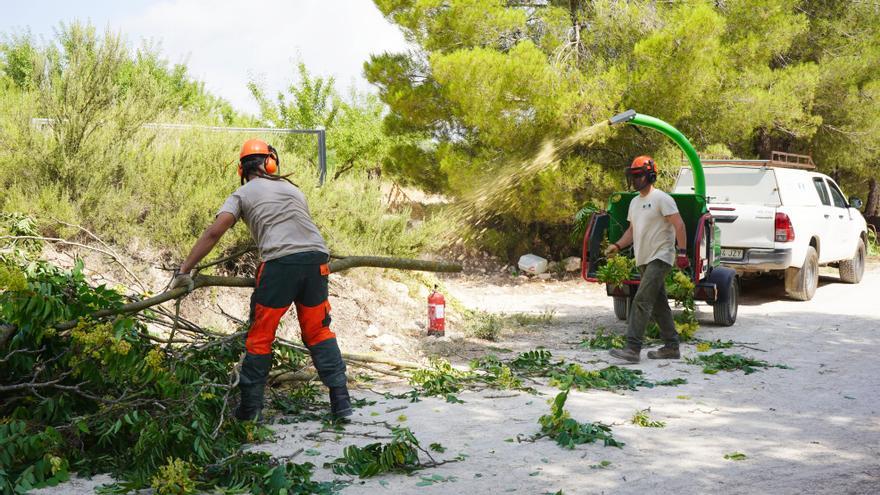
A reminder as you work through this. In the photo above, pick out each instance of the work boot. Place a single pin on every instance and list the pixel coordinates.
(328, 362)
(340, 402)
(665, 352)
(252, 385)
(626, 354)
(250, 408)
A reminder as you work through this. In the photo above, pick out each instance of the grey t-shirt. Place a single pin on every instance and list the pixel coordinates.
(653, 236)
(278, 217)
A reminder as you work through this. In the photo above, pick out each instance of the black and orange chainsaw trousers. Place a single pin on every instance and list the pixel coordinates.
(301, 280)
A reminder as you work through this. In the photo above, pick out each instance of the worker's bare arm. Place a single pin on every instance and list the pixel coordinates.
(680, 234)
(625, 240)
(208, 240)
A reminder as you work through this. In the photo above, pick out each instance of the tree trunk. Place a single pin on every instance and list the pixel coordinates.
(835, 175)
(763, 144)
(872, 204)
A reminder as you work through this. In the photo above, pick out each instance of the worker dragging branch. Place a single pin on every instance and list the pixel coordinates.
(293, 271)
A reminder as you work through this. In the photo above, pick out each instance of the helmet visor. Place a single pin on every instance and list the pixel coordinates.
(636, 179)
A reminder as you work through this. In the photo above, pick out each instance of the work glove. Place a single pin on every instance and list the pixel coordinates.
(182, 280)
(682, 261)
(612, 249)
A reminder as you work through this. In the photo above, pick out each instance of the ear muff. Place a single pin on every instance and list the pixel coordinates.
(648, 169)
(651, 171)
(272, 162)
(258, 147)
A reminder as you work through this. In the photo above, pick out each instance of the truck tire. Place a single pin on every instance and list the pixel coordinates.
(725, 310)
(801, 283)
(621, 307)
(851, 271)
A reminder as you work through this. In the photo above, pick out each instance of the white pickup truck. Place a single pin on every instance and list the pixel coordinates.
(781, 216)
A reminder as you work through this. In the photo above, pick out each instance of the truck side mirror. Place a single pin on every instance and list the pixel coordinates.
(855, 202)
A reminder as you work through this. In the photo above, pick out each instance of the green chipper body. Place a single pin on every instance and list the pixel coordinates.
(714, 284)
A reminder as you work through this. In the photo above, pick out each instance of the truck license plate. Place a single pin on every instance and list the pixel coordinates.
(735, 254)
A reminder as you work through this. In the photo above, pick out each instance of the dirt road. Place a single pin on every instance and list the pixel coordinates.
(813, 428)
(810, 429)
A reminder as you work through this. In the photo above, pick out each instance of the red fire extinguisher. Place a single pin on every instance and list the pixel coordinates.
(436, 314)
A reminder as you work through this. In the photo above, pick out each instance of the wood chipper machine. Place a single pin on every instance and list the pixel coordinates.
(714, 284)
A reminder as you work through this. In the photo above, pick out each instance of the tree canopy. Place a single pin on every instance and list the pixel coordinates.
(488, 81)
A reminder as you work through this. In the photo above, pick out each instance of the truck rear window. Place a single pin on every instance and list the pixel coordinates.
(731, 184)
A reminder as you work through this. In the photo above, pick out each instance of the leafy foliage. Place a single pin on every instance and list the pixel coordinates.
(488, 326)
(301, 404)
(704, 346)
(540, 363)
(354, 126)
(608, 378)
(399, 455)
(174, 478)
(873, 246)
(95, 165)
(497, 374)
(260, 474)
(713, 363)
(567, 432)
(530, 319)
(581, 219)
(535, 361)
(103, 397)
(29, 457)
(602, 340)
(483, 325)
(641, 418)
(440, 379)
(486, 83)
(616, 270)
(681, 288)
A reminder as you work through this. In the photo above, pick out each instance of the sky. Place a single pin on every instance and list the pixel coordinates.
(226, 43)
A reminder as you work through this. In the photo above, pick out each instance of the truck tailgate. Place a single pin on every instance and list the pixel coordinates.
(743, 200)
(744, 226)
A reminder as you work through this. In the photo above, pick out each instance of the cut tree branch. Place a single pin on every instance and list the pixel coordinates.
(217, 281)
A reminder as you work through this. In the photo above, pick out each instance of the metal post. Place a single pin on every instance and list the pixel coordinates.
(322, 155)
(40, 123)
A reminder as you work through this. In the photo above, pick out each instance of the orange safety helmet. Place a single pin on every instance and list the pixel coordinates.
(642, 166)
(259, 147)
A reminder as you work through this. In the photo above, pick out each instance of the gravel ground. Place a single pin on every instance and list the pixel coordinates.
(810, 429)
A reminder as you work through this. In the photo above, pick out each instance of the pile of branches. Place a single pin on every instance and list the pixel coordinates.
(87, 388)
(107, 396)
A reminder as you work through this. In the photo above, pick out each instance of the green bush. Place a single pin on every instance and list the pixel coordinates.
(96, 165)
(483, 325)
(873, 246)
